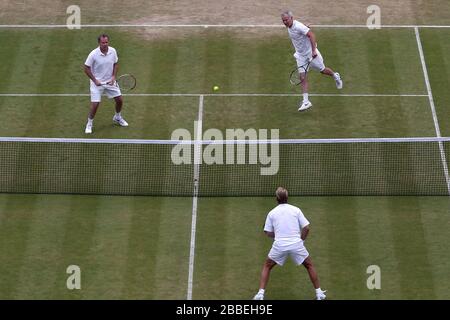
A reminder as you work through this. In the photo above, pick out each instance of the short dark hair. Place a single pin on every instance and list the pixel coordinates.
(282, 195)
(103, 35)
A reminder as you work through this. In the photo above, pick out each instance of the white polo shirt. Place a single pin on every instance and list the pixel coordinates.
(300, 41)
(286, 221)
(102, 65)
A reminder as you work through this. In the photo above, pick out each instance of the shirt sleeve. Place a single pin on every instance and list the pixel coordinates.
(301, 28)
(303, 222)
(268, 226)
(116, 57)
(89, 60)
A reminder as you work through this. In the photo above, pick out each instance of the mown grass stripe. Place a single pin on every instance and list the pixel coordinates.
(14, 230)
(172, 249)
(376, 248)
(436, 224)
(144, 233)
(347, 267)
(12, 54)
(79, 230)
(231, 247)
(108, 252)
(42, 270)
(411, 251)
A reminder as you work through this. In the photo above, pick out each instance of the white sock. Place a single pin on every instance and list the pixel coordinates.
(305, 97)
(261, 291)
(90, 120)
(318, 290)
(335, 76)
(118, 115)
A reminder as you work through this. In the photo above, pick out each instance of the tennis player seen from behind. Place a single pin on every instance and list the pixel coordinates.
(289, 227)
(101, 67)
(304, 42)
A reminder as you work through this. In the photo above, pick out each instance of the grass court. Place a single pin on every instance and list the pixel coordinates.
(138, 247)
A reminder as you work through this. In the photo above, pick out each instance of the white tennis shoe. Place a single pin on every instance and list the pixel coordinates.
(321, 295)
(258, 296)
(339, 82)
(305, 106)
(120, 121)
(88, 128)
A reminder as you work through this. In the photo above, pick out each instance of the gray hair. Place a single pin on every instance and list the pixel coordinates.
(282, 195)
(287, 13)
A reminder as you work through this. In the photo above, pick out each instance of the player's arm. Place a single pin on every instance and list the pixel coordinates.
(270, 234)
(268, 227)
(304, 232)
(88, 72)
(312, 39)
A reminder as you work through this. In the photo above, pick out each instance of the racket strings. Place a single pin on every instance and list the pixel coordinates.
(126, 82)
(298, 75)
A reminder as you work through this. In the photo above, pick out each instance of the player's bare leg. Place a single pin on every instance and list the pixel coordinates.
(336, 76)
(304, 82)
(311, 272)
(93, 111)
(320, 295)
(327, 71)
(118, 117)
(265, 274)
(306, 104)
(119, 103)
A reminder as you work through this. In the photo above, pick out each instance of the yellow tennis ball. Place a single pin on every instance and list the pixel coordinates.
(215, 88)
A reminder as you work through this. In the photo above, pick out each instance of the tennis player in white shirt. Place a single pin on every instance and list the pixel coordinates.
(289, 227)
(101, 67)
(304, 42)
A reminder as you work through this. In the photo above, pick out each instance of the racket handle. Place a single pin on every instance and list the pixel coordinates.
(104, 83)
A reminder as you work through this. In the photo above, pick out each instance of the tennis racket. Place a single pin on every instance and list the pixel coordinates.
(125, 82)
(298, 75)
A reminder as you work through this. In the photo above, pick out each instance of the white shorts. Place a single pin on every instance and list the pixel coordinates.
(316, 63)
(97, 91)
(297, 253)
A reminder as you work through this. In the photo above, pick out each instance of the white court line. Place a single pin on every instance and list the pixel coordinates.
(433, 109)
(56, 26)
(213, 95)
(197, 161)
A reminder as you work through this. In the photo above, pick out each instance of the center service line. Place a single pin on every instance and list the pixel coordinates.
(197, 161)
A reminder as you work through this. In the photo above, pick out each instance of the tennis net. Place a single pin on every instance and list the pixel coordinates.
(311, 167)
